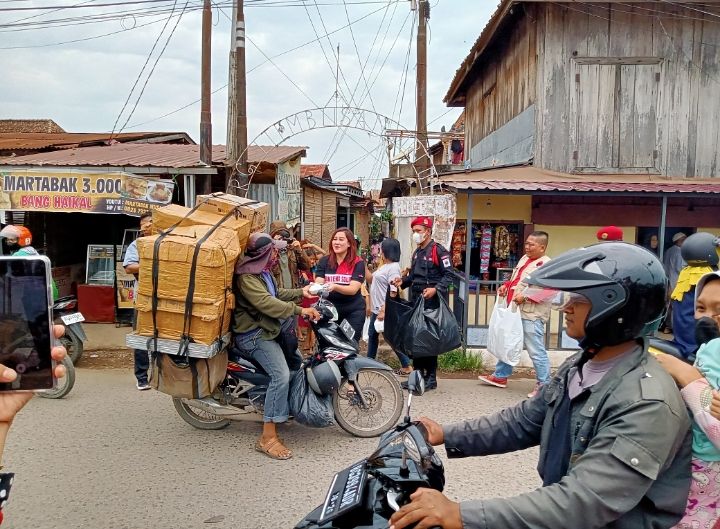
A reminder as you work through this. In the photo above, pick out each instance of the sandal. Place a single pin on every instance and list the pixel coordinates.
(274, 449)
(401, 372)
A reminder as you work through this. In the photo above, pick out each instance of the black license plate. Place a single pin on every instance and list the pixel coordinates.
(345, 493)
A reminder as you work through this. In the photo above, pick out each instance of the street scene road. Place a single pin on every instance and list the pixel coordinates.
(111, 457)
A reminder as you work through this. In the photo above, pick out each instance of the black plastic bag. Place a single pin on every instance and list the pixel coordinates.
(309, 408)
(431, 332)
(397, 314)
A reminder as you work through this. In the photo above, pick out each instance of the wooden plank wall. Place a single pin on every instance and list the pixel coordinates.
(688, 41)
(505, 86)
(329, 218)
(313, 205)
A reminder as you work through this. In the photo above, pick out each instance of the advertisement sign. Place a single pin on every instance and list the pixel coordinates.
(82, 191)
(125, 287)
(288, 187)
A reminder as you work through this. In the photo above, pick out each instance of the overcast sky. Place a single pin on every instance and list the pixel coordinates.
(83, 85)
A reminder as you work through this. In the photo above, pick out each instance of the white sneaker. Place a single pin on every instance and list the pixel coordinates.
(144, 386)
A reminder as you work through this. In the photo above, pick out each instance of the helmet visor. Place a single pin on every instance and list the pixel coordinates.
(557, 299)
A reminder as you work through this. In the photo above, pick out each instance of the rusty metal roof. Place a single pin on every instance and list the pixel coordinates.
(13, 141)
(318, 170)
(529, 179)
(30, 125)
(148, 155)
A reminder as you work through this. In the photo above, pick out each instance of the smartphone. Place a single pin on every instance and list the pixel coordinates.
(26, 332)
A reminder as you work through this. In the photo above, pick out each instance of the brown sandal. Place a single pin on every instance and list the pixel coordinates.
(274, 449)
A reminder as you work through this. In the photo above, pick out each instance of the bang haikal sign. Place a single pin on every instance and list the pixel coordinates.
(82, 192)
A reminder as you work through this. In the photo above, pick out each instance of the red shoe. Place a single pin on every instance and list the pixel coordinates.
(492, 380)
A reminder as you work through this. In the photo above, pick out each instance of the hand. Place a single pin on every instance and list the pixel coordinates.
(310, 313)
(397, 282)
(715, 405)
(436, 436)
(330, 287)
(306, 292)
(429, 293)
(502, 290)
(368, 312)
(380, 316)
(428, 508)
(680, 371)
(12, 402)
(296, 244)
(519, 298)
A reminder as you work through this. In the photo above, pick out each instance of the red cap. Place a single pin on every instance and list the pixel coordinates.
(422, 221)
(610, 233)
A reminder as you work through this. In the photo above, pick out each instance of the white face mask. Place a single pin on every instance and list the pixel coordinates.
(418, 238)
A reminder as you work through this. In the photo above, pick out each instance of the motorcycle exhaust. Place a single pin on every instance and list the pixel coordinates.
(210, 405)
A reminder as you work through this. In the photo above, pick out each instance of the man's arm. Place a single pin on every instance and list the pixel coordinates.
(131, 263)
(445, 263)
(254, 290)
(608, 480)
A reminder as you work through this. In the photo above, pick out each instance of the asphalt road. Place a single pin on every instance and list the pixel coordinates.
(109, 456)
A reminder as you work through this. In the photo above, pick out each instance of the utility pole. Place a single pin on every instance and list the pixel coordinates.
(421, 159)
(237, 166)
(205, 116)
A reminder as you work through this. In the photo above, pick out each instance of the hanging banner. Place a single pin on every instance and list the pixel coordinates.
(441, 207)
(74, 191)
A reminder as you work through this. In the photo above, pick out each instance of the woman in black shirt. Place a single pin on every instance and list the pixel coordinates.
(344, 273)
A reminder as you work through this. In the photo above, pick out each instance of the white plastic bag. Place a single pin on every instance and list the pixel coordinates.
(505, 335)
(379, 326)
(366, 330)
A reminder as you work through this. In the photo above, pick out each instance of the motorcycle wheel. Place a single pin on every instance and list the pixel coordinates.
(196, 418)
(64, 385)
(73, 345)
(384, 397)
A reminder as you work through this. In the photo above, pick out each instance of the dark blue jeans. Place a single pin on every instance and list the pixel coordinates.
(373, 341)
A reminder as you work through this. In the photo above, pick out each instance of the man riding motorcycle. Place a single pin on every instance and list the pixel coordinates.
(612, 427)
(18, 240)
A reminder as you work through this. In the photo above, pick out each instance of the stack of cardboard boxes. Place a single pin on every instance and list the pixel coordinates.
(217, 231)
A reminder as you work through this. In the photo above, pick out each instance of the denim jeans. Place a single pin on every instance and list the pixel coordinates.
(142, 365)
(534, 340)
(373, 341)
(269, 355)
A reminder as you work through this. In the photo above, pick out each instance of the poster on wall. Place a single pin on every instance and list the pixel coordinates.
(74, 191)
(441, 207)
(288, 188)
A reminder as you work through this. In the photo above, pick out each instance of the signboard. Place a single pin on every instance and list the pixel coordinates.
(82, 191)
(125, 287)
(288, 188)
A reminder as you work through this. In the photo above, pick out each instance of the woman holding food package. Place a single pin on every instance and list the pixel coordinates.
(344, 273)
(261, 316)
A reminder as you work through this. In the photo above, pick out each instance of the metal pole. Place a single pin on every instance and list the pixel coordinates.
(663, 221)
(237, 109)
(468, 239)
(421, 154)
(205, 116)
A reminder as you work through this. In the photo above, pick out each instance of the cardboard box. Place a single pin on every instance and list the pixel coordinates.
(222, 203)
(166, 217)
(174, 280)
(209, 321)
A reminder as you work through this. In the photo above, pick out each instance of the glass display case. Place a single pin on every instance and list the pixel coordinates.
(100, 265)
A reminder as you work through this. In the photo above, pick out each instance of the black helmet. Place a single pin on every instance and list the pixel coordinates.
(700, 249)
(625, 284)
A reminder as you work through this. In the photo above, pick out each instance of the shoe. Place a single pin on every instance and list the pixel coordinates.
(492, 380)
(430, 386)
(142, 386)
(399, 372)
(535, 391)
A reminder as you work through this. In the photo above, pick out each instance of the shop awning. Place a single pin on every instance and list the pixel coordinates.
(533, 180)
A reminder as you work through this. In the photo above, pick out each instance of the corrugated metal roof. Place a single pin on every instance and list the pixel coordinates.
(30, 125)
(317, 170)
(148, 155)
(10, 141)
(533, 179)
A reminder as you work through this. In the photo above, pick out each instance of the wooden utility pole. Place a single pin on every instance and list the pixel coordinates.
(205, 115)
(421, 159)
(237, 109)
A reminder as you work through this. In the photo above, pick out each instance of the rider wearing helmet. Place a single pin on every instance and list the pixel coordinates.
(18, 240)
(700, 252)
(611, 425)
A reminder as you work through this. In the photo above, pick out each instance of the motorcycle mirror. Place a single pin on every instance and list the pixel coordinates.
(416, 383)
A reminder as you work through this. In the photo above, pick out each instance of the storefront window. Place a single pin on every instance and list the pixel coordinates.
(494, 248)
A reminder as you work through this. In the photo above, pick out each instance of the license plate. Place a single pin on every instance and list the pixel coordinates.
(345, 493)
(347, 329)
(69, 319)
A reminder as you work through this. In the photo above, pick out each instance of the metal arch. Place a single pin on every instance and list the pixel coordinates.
(338, 117)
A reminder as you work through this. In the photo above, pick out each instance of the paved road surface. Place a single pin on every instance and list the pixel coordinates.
(111, 457)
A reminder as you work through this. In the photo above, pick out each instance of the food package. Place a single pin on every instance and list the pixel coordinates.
(222, 203)
(208, 323)
(213, 272)
(166, 217)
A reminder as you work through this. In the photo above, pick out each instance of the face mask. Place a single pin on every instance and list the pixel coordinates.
(706, 329)
(13, 246)
(418, 238)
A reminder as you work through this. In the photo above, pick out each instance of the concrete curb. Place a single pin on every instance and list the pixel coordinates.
(556, 358)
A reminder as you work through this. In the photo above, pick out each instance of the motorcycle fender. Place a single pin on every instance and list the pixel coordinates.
(77, 330)
(353, 365)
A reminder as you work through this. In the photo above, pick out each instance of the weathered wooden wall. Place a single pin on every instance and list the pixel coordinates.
(505, 84)
(329, 217)
(320, 210)
(674, 125)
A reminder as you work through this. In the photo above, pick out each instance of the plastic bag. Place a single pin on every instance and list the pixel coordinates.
(397, 314)
(379, 326)
(505, 333)
(309, 408)
(431, 332)
(366, 330)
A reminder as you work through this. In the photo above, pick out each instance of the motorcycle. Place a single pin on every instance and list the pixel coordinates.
(64, 313)
(366, 494)
(367, 402)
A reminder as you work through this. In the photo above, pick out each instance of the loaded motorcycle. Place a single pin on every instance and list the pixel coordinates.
(366, 494)
(367, 398)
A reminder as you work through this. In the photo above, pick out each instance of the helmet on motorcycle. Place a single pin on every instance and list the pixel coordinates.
(21, 233)
(701, 249)
(624, 284)
(324, 378)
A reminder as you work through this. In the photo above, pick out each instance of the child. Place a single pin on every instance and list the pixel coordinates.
(698, 383)
(306, 337)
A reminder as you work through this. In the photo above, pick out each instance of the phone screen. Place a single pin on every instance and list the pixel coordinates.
(25, 323)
